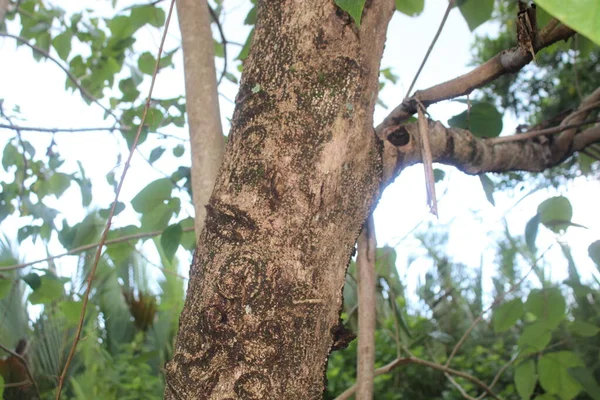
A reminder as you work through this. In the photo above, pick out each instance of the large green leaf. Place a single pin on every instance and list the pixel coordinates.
(170, 239)
(483, 120)
(352, 7)
(553, 369)
(555, 213)
(507, 315)
(535, 337)
(525, 379)
(152, 195)
(50, 290)
(147, 14)
(476, 12)
(410, 7)
(62, 44)
(587, 380)
(580, 15)
(547, 304)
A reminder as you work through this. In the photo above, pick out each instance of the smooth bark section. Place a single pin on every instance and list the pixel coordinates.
(472, 155)
(300, 174)
(202, 102)
(367, 317)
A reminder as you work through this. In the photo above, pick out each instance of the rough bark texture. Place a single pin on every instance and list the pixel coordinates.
(301, 170)
(202, 101)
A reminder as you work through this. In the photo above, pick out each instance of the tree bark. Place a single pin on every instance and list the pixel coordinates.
(301, 170)
(202, 103)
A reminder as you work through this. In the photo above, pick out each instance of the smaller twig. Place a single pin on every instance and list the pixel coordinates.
(583, 110)
(435, 38)
(414, 360)
(496, 301)
(498, 375)
(72, 77)
(57, 130)
(223, 40)
(86, 296)
(458, 387)
(25, 364)
(531, 134)
(81, 249)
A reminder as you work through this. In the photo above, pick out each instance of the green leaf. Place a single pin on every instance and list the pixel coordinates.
(62, 44)
(219, 50)
(178, 150)
(121, 27)
(535, 337)
(594, 252)
(554, 374)
(246, 49)
(555, 213)
(154, 194)
(170, 240)
(5, 287)
(155, 154)
(506, 315)
(586, 379)
(251, 17)
(488, 188)
(412, 8)
(582, 328)
(11, 156)
(118, 208)
(547, 304)
(142, 15)
(33, 280)
(50, 289)
(580, 15)
(531, 231)
(483, 120)
(71, 310)
(188, 239)
(58, 183)
(157, 219)
(153, 119)
(476, 12)
(146, 63)
(1, 387)
(352, 7)
(438, 175)
(525, 379)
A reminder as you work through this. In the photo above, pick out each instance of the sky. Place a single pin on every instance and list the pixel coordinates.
(474, 225)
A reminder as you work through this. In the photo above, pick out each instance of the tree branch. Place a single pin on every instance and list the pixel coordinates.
(507, 61)
(81, 249)
(472, 155)
(365, 265)
(414, 360)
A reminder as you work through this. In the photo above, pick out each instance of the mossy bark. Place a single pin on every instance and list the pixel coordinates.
(301, 171)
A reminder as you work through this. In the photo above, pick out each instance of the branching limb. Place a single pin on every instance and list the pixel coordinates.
(508, 61)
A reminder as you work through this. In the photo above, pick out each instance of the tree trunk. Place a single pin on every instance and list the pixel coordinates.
(300, 173)
(202, 103)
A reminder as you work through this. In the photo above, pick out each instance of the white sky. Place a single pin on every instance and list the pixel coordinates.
(475, 226)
